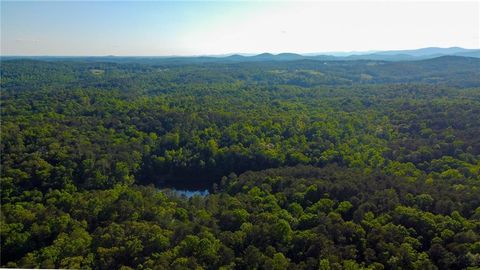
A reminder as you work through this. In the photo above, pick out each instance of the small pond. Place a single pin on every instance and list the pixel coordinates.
(187, 188)
(190, 193)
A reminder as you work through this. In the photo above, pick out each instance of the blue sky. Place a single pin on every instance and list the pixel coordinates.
(200, 28)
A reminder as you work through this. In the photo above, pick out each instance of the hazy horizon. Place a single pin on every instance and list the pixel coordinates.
(330, 53)
(224, 28)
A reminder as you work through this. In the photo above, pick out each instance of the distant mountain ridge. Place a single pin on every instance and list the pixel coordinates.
(426, 51)
(393, 55)
(418, 54)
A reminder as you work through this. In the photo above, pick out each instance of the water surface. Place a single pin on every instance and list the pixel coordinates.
(187, 188)
(190, 193)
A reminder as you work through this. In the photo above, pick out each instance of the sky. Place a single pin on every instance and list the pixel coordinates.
(159, 28)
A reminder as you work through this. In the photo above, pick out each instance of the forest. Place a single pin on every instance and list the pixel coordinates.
(309, 164)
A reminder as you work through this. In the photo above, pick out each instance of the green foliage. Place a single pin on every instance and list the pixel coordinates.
(341, 165)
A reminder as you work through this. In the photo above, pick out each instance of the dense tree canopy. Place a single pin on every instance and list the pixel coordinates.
(311, 164)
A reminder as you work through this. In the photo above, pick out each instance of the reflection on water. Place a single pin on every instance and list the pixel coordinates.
(185, 192)
(187, 188)
(190, 193)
